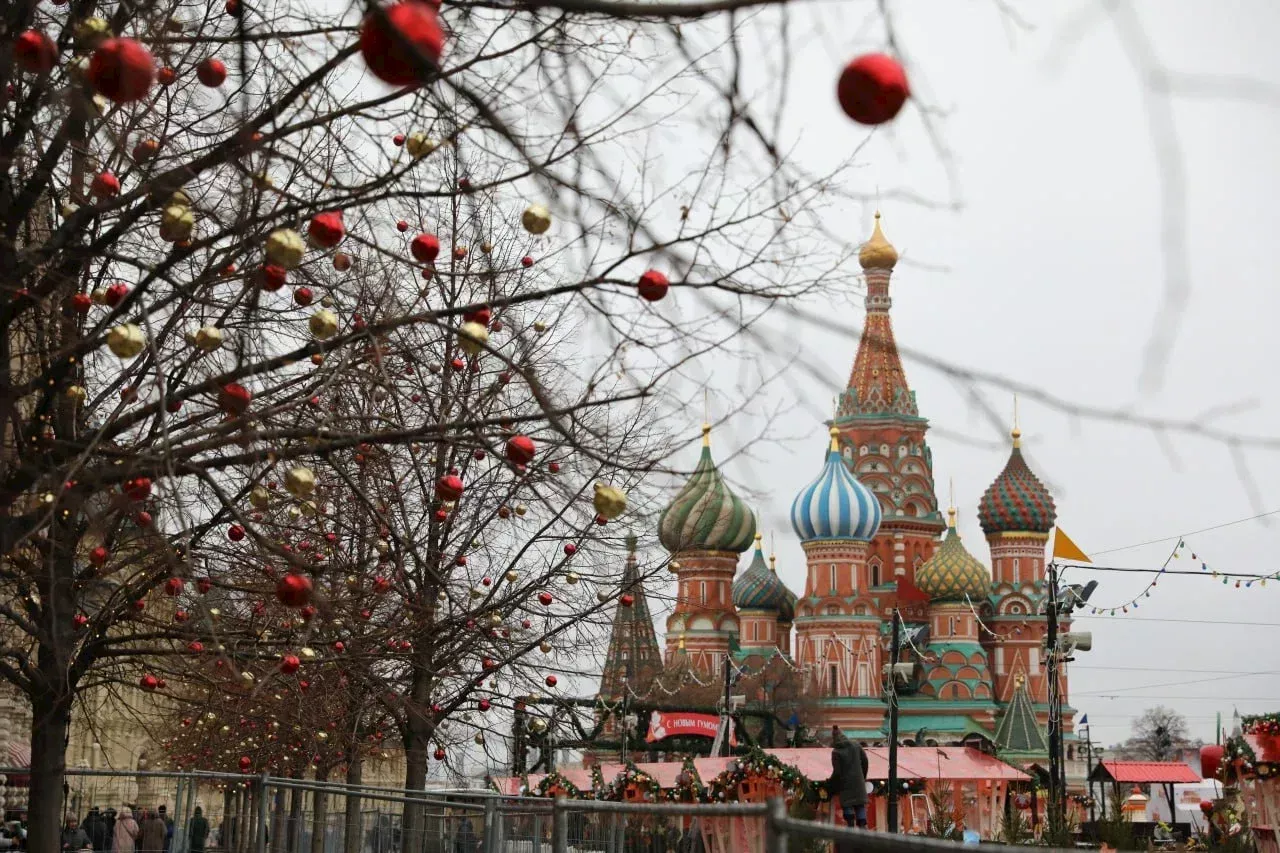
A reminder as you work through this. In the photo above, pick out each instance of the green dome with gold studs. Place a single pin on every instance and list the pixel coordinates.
(706, 515)
(952, 573)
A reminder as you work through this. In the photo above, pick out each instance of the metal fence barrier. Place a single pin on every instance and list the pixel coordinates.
(266, 814)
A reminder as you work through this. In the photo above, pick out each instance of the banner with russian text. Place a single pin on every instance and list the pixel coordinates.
(665, 724)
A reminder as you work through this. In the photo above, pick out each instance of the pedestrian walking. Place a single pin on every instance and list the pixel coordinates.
(95, 826)
(124, 838)
(153, 832)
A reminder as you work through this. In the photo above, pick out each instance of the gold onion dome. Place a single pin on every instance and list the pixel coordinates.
(706, 515)
(952, 573)
(877, 253)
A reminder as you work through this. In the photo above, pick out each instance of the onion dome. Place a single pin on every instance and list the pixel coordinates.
(952, 572)
(706, 515)
(835, 505)
(758, 588)
(1017, 502)
(877, 253)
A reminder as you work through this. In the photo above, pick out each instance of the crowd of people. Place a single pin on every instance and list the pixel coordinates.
(127, 830)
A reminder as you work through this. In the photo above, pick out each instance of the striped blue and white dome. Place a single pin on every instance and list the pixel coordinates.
(835, 505)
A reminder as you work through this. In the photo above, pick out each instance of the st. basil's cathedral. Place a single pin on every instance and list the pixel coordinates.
(874, 539)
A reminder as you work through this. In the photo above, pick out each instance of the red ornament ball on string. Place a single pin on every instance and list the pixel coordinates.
(526, 262)
(137, 488)
(116, 293)
(293, 590)
(402, 226)
(245, 762)
(551, 681)
(520, 449)
(483, 316)
(449, 487)
(271, 277)
(653, 285)
(34, 52)
(235, 533)
(397, 140)
(148, 682)
(173, 587)
(326, 229)
(234, 398)
(289, 664)
(545, 598)
(425, 247)
(166, 76)
(627, 599)
(872, 88)
(105, 185)
(398, 41)
(440, 754)
(303, 296)
(81, 303)
(570, 549)
(99, 556)
(212, 72)
(122, 70)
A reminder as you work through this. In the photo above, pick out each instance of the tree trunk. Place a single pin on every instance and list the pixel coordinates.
(354, 829)
(419, 726)
(295, 816)
(49, 725)
(319, 812)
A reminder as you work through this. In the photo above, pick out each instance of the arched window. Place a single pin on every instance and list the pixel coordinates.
(1017, 571)
(703, 590)
(833, 577)
(833, 679)
(875, 574)
(951, 626)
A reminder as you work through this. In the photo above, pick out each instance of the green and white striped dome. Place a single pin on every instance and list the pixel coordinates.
(706, 515)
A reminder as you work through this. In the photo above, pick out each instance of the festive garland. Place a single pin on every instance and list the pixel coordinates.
(688, 787)
(756, 763)
(555, 780)
(1261, 724)
(631, 775)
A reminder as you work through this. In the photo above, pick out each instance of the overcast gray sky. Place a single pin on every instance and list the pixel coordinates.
(1043, 263)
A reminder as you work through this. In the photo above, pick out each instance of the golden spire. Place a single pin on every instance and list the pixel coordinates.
(759, 541)
(877, 253)
(834, 432)
(706, 435)
(951, 510)
(773, 555)
(1017, 433)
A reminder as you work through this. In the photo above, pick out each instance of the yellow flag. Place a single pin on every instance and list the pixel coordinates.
(1064, 548)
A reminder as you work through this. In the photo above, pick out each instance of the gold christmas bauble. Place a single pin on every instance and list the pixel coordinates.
(512, 576)
(209, 338)
(286, 248)
(323, 324)
(126, 340)
(609, 502)
(602, 596)
(536, 219)
(419, 145)
(91, 32)
(300, 481)
(176, 223)
(479, 738)
(572, 578)
(259, 497)
(77, 394)
(179, 199)
(544, 647)
(472, 336)
(521, 509)
(99, 296)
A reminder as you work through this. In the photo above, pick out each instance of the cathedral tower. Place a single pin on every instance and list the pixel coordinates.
(633, 657)
(706, 527)
(883, 437)
(760, 597)
(838, 619)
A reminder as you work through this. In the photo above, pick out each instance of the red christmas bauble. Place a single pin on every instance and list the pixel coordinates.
(326, 229)
(483, 316)
(653, 285)
(148, 682)
(545, 598)
(245, 762)
(203, 585)
(872, 88)
(105, 185)
(235, 533)
(122, 70)
(81, 303)
(570, 549)
(166, 76)
(520, 449)
(449, 487)
(272, 278)
(173, 587)
(402, 226)
(137, 488)
(553, 467)
(293, 590)
(400, 40)
(425, 247)
(289, 664)
(303, 296)
(1206, 806)
(526, 262)
(145, 150)
(440, 754)
(116, 293)
(381, 584)
(234, 398)
(98, 556)
(627, 599)
(212, 72)
(34, 52)
(80, 620)
(551, 681)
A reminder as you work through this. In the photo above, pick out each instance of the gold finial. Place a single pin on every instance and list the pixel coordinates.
(877, 253)
(951, 517)
(759, 541)
(1017, 433)
(773, 563)
(834, 432)
(706, 435)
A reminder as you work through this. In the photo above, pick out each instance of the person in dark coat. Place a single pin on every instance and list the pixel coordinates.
(95, 826)
(849, 777)
(198, 831)
(168, 827)
(73, 837)
(151, 839)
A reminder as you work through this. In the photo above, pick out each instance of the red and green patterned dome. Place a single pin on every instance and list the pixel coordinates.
(1017, 502)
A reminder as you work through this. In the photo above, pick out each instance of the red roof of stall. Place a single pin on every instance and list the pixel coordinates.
(914, 762)
(1139, 772)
